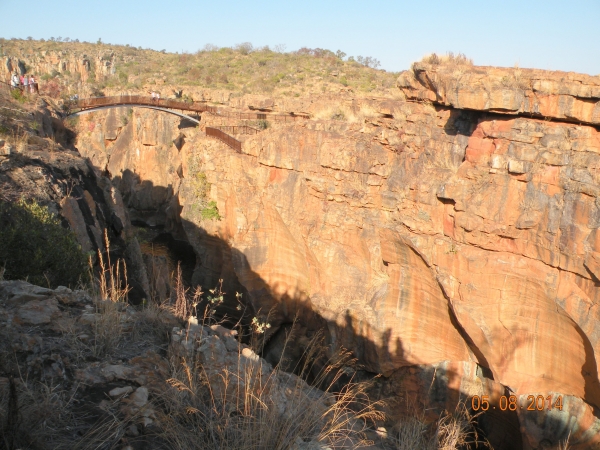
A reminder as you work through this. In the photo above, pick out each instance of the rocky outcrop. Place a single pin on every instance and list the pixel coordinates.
(117, 364)
(99, 65)
(68, 185)
(565, 96)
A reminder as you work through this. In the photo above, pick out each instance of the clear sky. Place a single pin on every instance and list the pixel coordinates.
(546, 34)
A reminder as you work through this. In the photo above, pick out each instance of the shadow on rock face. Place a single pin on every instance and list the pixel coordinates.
(435, 388)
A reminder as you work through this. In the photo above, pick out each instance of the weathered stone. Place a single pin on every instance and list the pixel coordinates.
(139, 398)
(36, 312)
(117, 392)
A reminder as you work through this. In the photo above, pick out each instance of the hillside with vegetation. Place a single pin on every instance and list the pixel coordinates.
(240, 70)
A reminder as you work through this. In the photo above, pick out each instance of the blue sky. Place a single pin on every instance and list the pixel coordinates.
(546, 34)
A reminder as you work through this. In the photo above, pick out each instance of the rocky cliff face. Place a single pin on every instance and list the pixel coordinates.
(98, 66)
(450, 241)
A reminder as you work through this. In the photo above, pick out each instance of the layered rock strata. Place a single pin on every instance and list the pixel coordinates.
(565, 96)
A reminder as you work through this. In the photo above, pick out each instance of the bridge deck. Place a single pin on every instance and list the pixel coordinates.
(95, 102)
(141, 100)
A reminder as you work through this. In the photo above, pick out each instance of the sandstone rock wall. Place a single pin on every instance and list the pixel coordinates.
(454, 251)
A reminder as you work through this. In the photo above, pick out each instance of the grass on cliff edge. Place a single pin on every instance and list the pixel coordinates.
(34, 246)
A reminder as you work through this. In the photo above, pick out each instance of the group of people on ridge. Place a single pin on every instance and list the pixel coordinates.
(26, 83)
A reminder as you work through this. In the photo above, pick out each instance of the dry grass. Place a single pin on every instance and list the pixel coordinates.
(243, 409)
(185, 304)
(110, 293)
(35, 415)
(565, 444)
(108, 289)
(452, 431)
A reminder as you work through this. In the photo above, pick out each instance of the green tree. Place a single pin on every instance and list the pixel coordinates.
(35, 246)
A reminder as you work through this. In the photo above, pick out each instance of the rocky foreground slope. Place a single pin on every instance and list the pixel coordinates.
(449, 239)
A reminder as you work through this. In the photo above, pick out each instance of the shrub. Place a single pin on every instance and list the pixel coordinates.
(244, 48)
(449, 59)
(34, 246)
(262, 124)
(52, 89)
(338, 115)
(210, 211)
(368, 61)
(17, 95)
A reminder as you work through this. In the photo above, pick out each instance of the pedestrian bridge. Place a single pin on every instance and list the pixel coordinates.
(87, 105)
(178, 108)
(171, 106)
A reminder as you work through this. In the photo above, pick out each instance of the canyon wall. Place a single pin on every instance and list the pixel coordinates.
(449, 239)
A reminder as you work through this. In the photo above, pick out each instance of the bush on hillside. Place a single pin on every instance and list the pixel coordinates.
(35, 246)
(448, 59)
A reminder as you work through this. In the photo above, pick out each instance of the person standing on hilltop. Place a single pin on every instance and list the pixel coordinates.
(26, 84)
(21, 80)
(14, 81)
(32, 85)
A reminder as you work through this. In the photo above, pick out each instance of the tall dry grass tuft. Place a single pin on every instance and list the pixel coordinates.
(564, 445)
(112, 281)
(109, 290)
(184, 304)
(247, 407)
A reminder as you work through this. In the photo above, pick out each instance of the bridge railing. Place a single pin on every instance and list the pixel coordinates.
(224, 137)
(261, 116)
(237, 129)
